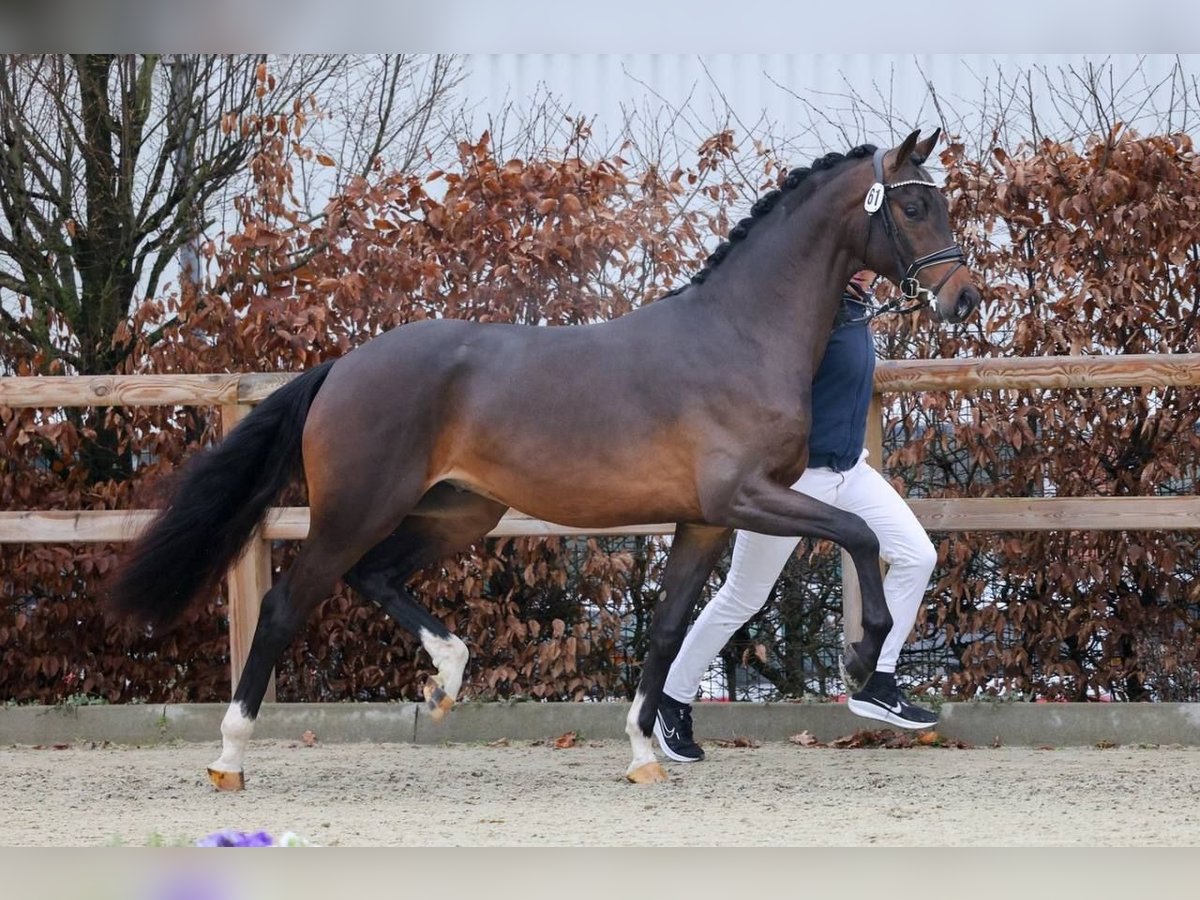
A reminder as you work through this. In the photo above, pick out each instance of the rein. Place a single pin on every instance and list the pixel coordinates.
(869, 312)
(910, 288)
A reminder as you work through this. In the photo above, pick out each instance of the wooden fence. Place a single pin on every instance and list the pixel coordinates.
(250, 578)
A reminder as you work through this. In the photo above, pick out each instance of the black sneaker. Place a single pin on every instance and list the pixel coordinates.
(673, 728)
(881, 699)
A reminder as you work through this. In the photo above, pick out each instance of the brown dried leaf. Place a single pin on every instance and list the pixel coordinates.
(805, 739)
(884, 737)
(739, 741)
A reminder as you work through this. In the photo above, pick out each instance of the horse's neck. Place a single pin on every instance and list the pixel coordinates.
(786, 284)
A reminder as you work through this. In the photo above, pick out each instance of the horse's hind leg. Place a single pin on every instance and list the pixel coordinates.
(340, 534)
(448, 652)
(695, 550)
(285, 607)
(381, 574)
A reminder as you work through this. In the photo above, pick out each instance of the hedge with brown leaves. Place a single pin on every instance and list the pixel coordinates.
(1090, 250)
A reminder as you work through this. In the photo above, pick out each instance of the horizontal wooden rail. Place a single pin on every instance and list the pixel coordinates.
(1059, 514)
(287, 523)
(891, 377)
(1033, 372)
(290, 523)
(140, 390)
(119, 390)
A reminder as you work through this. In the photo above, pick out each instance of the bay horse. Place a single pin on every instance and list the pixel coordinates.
(414, 444)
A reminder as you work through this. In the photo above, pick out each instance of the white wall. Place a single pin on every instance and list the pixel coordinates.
(795, 91)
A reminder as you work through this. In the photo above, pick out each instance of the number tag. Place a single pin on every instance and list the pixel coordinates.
(874, 198)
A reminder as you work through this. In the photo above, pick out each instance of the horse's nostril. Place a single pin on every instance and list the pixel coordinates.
(965, 303)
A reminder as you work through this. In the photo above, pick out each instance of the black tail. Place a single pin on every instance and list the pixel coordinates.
(222, 494)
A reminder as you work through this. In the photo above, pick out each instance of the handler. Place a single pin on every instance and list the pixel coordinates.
(839, 475)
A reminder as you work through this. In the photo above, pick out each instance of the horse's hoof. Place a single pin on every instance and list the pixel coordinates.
(439, 701)
(648, 773)
(227, 781)
(855, 672)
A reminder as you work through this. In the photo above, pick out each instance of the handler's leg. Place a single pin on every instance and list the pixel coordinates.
(757, 561)
(911, 557)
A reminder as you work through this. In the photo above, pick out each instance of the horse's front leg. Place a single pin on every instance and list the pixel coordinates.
(695, 550)
(764, 507)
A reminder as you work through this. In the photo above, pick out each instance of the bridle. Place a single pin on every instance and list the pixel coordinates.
(910, 288)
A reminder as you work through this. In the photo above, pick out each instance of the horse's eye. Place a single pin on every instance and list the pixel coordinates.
(912, 210)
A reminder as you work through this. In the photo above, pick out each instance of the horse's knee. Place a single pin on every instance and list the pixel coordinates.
(858, 537)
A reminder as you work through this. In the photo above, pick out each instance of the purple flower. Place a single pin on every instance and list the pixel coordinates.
(231, 838)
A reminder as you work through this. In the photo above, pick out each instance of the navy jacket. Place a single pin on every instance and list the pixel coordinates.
(841, 391)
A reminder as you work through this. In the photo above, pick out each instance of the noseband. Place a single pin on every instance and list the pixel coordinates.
(910, 288)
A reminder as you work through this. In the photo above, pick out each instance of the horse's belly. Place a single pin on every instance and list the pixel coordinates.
(574, 496)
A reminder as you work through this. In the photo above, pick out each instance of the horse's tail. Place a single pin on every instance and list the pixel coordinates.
(220, 496)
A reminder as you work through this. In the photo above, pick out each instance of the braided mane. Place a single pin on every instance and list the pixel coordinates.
(767, 202)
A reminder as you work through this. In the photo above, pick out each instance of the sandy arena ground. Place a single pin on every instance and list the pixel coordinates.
(474, 795)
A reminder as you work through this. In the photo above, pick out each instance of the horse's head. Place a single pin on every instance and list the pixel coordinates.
(909, 240)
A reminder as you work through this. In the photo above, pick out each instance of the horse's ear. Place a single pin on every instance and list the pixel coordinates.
(924, 148)
(901, 154)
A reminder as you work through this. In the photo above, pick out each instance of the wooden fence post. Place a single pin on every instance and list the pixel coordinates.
(247, 581)
(851, 592)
